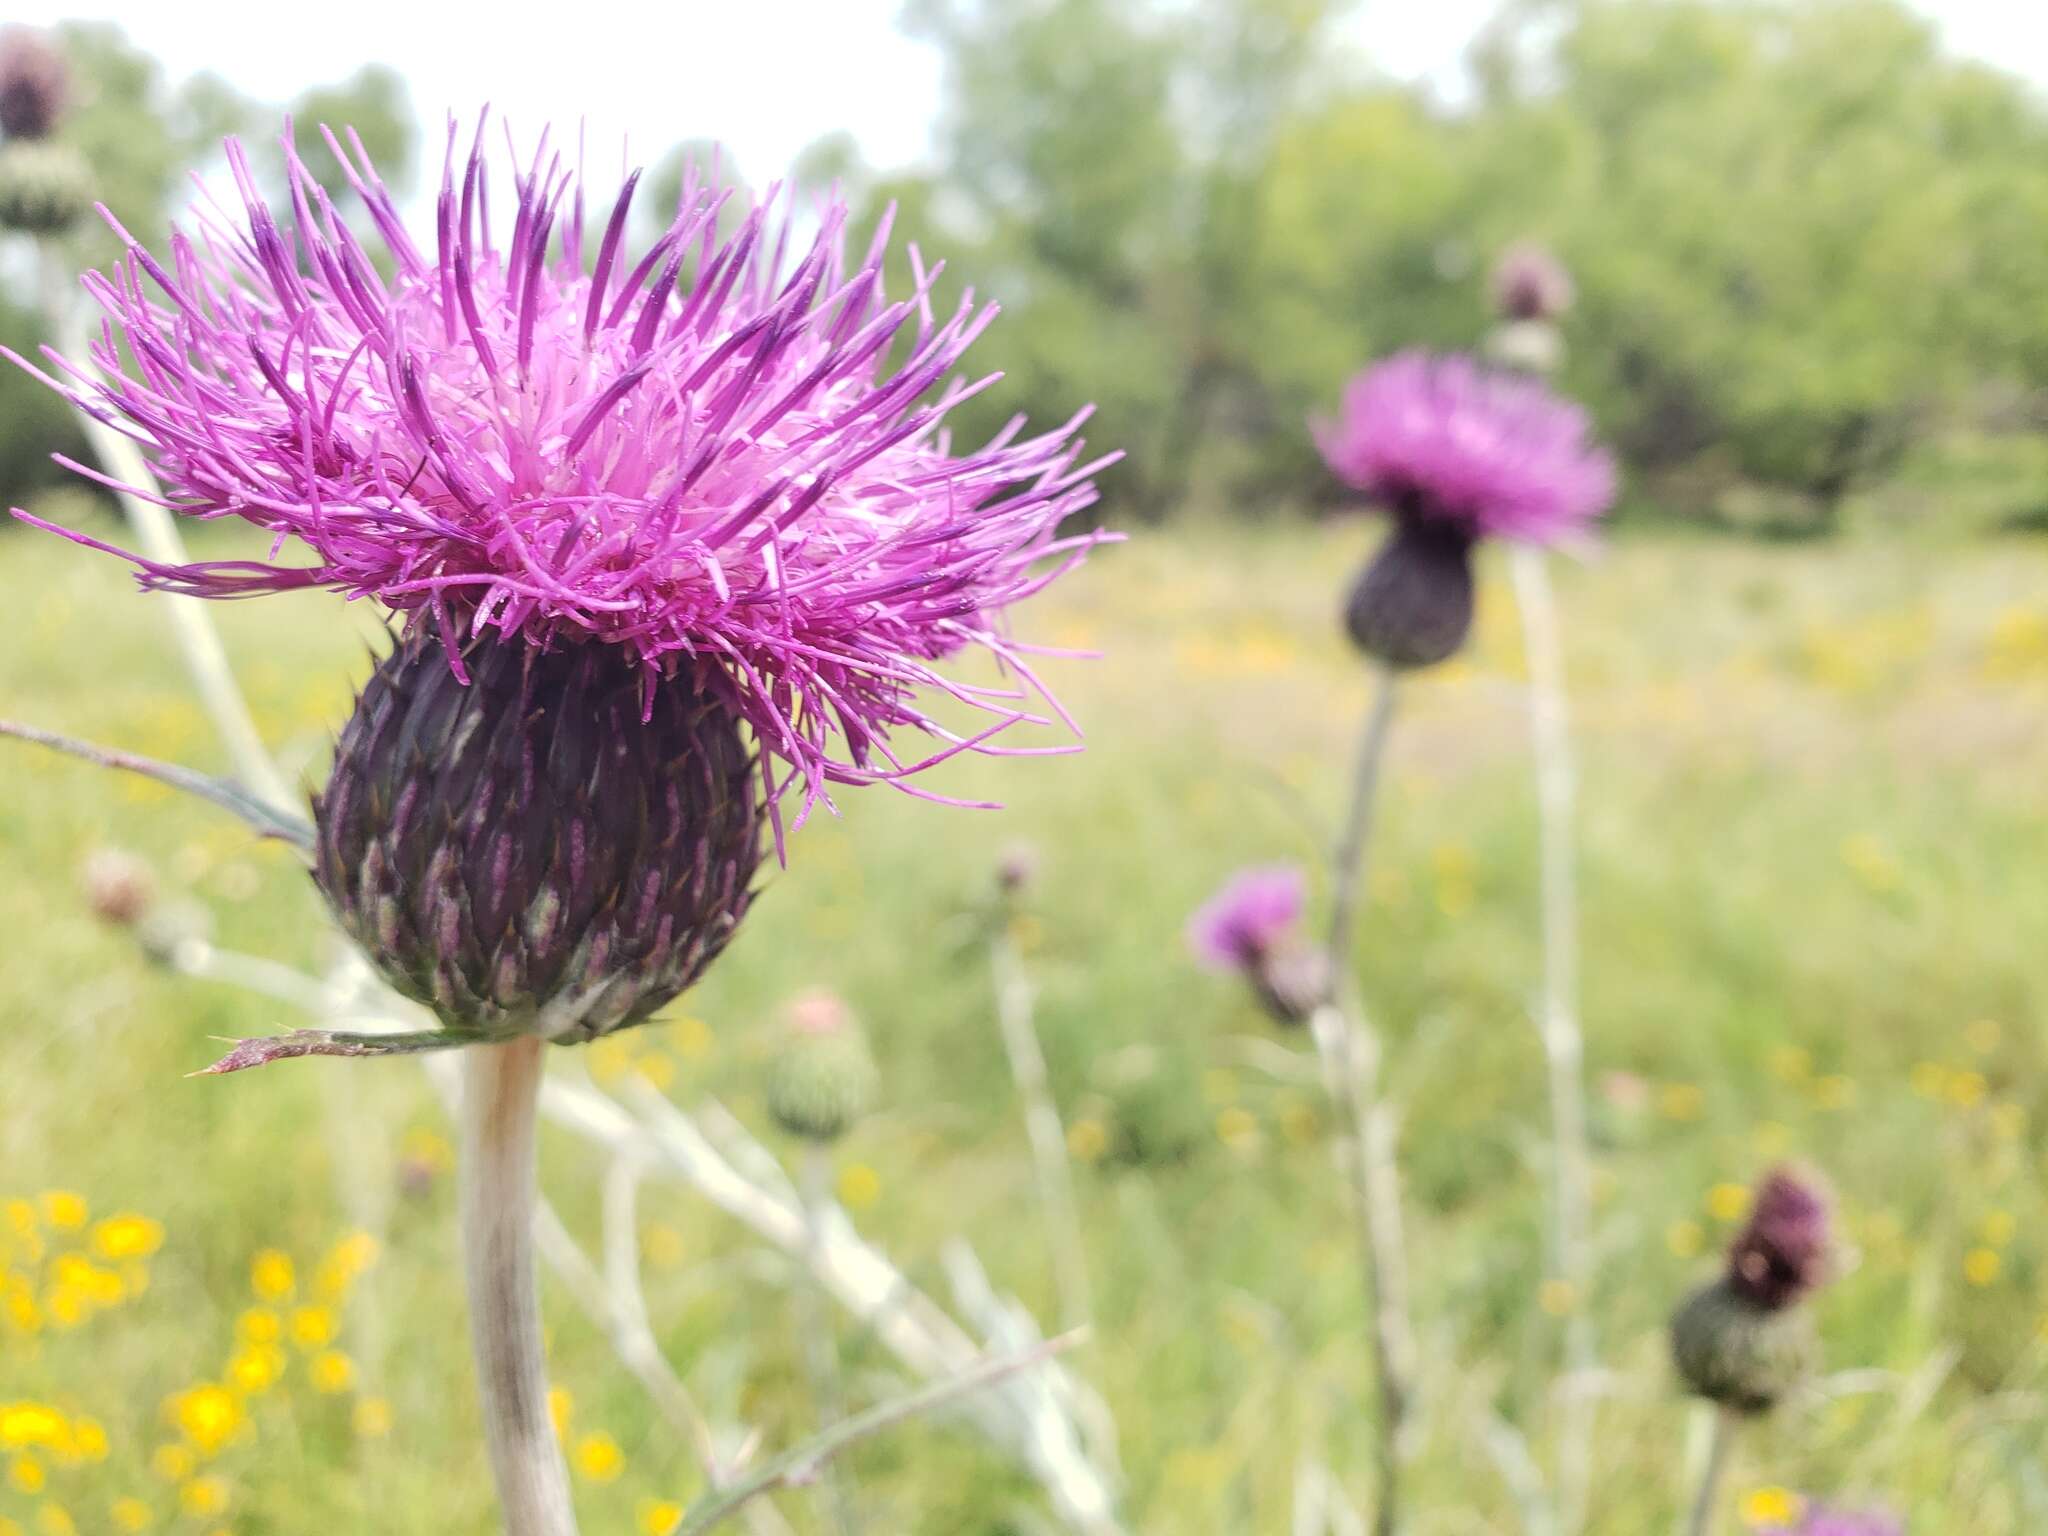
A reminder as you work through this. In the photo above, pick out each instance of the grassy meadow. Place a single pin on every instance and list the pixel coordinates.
(1813, 782)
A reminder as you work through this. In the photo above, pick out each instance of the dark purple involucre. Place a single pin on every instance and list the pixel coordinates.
(1492, 455)
(34, 84)
(707, 458)
(1782, 1253)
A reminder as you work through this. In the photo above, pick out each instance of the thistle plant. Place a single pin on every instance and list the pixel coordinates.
(45, 187)
(1454, 454)
(1743, 1341)
(1252, 928)
(669, 559)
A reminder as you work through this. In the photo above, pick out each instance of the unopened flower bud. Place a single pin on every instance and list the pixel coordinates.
(1733, 1352)
(45, 188)
(1529, 283)
(1412, 604)
(118, 887)
(823, 1078)
(1017, 868)
(554, 847)
(34, 84)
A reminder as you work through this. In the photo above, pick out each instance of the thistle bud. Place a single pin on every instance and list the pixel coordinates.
(558, 846)
(1412, 604)
(45, 188)
(1529, 283)
(1017, 868)
(34, 84)
(823, 1079)
(1743, 1341)
(118, 887)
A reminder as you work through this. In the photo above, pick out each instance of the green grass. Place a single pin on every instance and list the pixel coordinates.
(1813, 843)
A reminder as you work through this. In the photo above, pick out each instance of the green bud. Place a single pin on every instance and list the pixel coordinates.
(823, 1079)
(45, 188)
(1743, 1356)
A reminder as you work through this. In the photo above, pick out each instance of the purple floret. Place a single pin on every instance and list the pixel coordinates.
(1781, 1254)
(1255, 912)
(1493, 454)
(712, 457)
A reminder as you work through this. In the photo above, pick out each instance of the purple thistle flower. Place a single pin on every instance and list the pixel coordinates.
(1822, 1521)
(702, 457)
(1492, 455)
(1529, 283)
(1253, 926)
(1781, 1253)
(670, 536)
(34, 84)
(1256, 910)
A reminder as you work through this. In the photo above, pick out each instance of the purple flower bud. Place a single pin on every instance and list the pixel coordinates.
(1782, 1253)
(34, 84)
(1017, 868)
(1529, 283)
(118, 887)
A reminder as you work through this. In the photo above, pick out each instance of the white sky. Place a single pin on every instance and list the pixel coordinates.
(764, 77)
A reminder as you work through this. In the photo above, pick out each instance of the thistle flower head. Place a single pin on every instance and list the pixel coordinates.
(707, 456)
(1819, 1520)
(1253, 926)
(1530, 283)
(1256, 911)
(1781, 1253)
(34, 84)
(1440, 439)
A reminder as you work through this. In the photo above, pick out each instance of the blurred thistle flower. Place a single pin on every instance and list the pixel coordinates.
(1252, 926)
(35, 84)
(1530, 283)
(669, 538)
(1743, 1341)
(118, 886)
(822, 1079)
(1818, 1520)
(1454, 452)
(1017, 868)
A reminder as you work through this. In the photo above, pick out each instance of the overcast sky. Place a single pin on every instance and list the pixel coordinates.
(764, 78)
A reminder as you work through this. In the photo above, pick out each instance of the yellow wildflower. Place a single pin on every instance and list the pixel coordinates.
(859, 1186)
(312, 1327)
(127, 1236)
(1087, 1140)
(203, 1496)
(372, 1418)
(332, 1371)
(659, 1517)
(207, 1415)
(599, 1458)
(1981, 1266)
(1771, 1506)
(130, 1514)
(271, 1275)
(25, 1473)
(23, 1424)
(1728, 1202)
(65, 1209)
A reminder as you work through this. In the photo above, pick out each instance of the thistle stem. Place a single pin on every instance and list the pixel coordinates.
(1350, 1054)
(1042, 1124)
(821, 1347)
(1718, 1449)
(1558, 1022)
(500, 1184)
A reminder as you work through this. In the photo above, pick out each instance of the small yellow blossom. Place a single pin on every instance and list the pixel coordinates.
(127, 1236)
(1982, 1266)
(599, 1458)
(1966, 1089)
(254, 1370)
(207, 1415)
(1559, 1298)
(427, 1149)
(89, 1440)
(1999, 1228)
(65, 1210)
(1685, 1238)
(372, 1418)
(259, 1325)
(859, 1186)
(1771, 1506)
(271, 1275)
(20, 1215)
(1728, 1202)
(1681, 1101)
(663, 1245)
(331, 1371)
(130, 1514)
(25, 1473)
(24, 1424)
(1238, 1129)
(659, 1517)
(1087, 1140)
(312, 1327)
(55, 1520)
(203, 1496)
(561, 1408)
